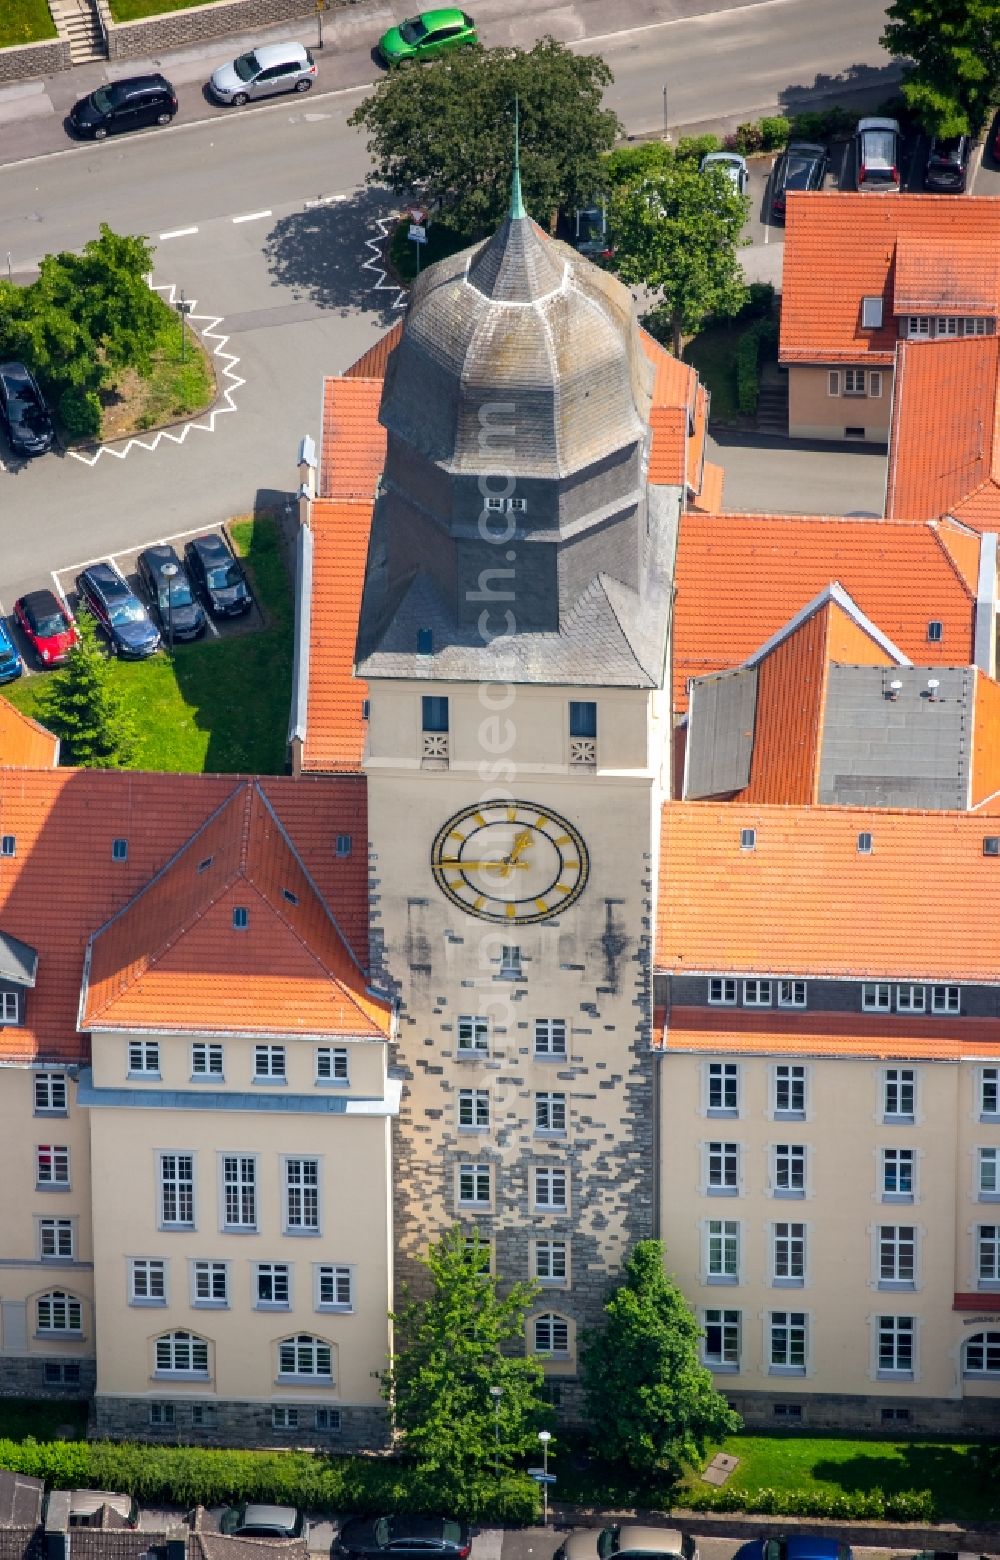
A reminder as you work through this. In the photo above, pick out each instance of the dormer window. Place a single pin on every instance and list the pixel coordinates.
(935, 631)
(517, 506)
(864, 843)
(748, 839)
(119, 850)
(871, 313)
(10, 1008)
(241, 918)
(8, 845)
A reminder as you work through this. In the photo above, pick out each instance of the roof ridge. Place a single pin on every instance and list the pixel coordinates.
(833, 594)
(933, 527)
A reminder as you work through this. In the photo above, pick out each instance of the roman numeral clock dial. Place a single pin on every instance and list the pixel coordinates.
(510, 862)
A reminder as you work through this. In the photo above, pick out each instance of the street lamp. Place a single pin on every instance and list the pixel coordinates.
(545, 1437)
(169, 572)
(496, 1393)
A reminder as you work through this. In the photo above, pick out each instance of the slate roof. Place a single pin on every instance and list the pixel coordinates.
(24, 744)
(944, 450)
(881, 1037)
(20, 1499)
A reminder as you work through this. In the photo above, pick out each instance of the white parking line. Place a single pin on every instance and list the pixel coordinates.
(159, 541)
(251, 216)
(178, 233)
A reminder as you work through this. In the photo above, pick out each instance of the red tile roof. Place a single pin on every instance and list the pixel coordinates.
(943, 442)
(335, 727)
(959, 277)
(743, 1033)
(372, 364)
(985, 738)
(677, 447)
(709, 500)
(353, 452)
(24, 744)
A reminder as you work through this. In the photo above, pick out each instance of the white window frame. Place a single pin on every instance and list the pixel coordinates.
(897, 1256)
(52, 1167)
(233, 1167)
(65, 1315)
(729, 1323)
(789, 1254)
(893, 1329)
(472, 1035)
(722, 991)
(721, 1176)
(793, 1079)
(722, 1251)
(161, 1416)
(474, 1104)
(204, 1055)
(274, 1274)
(143, 1058)
(48, 1088)
(182, 1345)
(550, 1263)
(876, 996)
(724, 1080)
(911, 999)
(275, 1060)
(987, 1256)
(332, 1065)
(302, 1194)
(793, 1328)
(151, 1269)
(340, 1277)
(56, 1239)
(551, 1113)
(510, 959)
(547, 1179)
(987, 1343)
(833, 381)
(179, 1183)
(893, 1163)
(988, 1174)
(988, 1093)
(895, 1085)
(757, 993)
(305, 1345)
(918, 326)
(789, 1163)
(551, 1335)
(551, 1039)
(946, 999)
(472, 1178)
(209, 1281)
(791, 993)
(284, 1416)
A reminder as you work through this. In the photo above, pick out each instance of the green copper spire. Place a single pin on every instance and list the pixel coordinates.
(516, 203)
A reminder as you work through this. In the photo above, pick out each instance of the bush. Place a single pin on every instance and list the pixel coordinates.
(762, 334)
(80, 413)
(837, 1505)
(748, 138)
(696, 147)
(823, 124)
(775, 132)
(760, 302)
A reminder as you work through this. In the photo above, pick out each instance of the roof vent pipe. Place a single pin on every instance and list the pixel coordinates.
(933, 684)
(895, 688)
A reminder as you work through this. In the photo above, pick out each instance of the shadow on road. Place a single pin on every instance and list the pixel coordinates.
(850, 82)
(319, 254)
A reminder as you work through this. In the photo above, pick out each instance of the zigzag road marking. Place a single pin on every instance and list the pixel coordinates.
(374, 263)
(226, 359)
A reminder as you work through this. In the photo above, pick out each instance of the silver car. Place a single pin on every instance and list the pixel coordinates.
(733, 166)
(628, 1541)
(263, 72)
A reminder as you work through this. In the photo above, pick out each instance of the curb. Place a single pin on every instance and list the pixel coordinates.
(981, 1537)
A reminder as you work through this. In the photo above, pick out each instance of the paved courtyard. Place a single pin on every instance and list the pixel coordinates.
(767, 475)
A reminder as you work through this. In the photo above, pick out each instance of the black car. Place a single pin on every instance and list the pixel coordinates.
(948, 163)
(130, 630)
(801, 166)
(25, 414)
(217, 576)
(410, 1537)
(166, 581)
(124, 105)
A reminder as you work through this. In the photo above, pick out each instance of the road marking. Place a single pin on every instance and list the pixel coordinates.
(158, 541)
(251, 216)
(211, 626)
(324, 200)
(625, 32)
(178, 233)
(977, 163)
(374, 263)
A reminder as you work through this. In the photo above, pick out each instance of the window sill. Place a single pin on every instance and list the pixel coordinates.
(175, 1229)
(58, 1258)
(555, 1354)
(789, 1115)
(786, 1370)
(472, 1056)
(240, 1229)
(180, 1375)
(53, 1112)
(551, 1134)
(722, 1191)
(210, 1305)
(332, 1083)
(722, 1113)
(295, 1233)
(150, 1303)
(547, 1208)
(272, 1305)
(987, 1117)
(304, 1381)
(331, 1307)
(722, 1367)
(511, 975)
(269, 1083)
(988, 1286)
(898, 1121)
(475, 1207)
(897, 1197)
(988, 1197)
(144, 1077)
(789, 1193)
(207, 1078)
(906, 1284)
(788, 1283)
(43, 1334)
(894, 1375)
(549, 1056)
(52, 1186)
(552, 1283)
(722, 1278)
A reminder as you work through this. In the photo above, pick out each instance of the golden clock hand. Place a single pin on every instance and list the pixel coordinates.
(503, 864)
(522, 840)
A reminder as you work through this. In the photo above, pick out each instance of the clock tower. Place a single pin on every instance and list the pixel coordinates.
(514, 635)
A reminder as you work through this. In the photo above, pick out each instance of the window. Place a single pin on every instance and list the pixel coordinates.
(206, 1060)
(862, 381)
(119, 850)
(55, 1238)
(721, 992)
(474, 1108)
(875, 997)
(550, 1113)
(510, 960)
(897, 1174)
(10, 1007)
(723, 1256)
(899, 1089)
(334, 1288)
(144, 1058)
(789, 1254)
(550, 1261)
(946, 999)
(344, 842)
(50, 1094)
(550, 1037)
(272, 1285)
(210, 1283)
(894, 1416)
(757, 993)
(988, 1173)
(289, 896)
(435, 713)
(59, 1312)
(161, 1415)
(723, 1088)
(981, 1355)
(833, 382)
(723, 1168)
(177, 1190)
(239, 1182)
(790, 1169)
(918, 325)
(787, 1411)
(304, 1355)
(865, 843)
(515, 506)
(871, 313)
(181, 1354)
(935, 631)
(302, 1196)
(8, 845)
(241, 918)
(473, 1184)
(748, 839)
(61, 1373)
(328, 1419)
(204, 864)
(988, 1255)
(790, 1090)
(897, 1256)
(989, 1092)
(284, 1417)
(204, 1416)
(473, 1034)
(551, 1334)
(895, 1345)
(991, 844)
(787, 1342)
(147, 1281)
(550, 1189)
(269, 1064)
(911, 999)
(721, 1348)
(791, 993)
(331, 1064)
(51, 1166)
(583, 719)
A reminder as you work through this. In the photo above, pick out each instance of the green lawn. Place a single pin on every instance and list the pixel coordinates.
(442, 240)
(25, 21)
(138, 10)
(220, 705)
(23, 1417)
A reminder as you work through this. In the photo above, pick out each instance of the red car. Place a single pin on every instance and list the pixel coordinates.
(47, 624)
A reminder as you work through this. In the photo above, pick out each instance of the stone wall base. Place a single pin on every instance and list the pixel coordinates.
(156, 34)
(25, 60)
(25, 1377)
(225, 1422)
(846, 1411)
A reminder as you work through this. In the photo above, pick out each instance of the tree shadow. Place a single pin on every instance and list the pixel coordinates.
(939, 1466)
(853, 80)
(320, 254)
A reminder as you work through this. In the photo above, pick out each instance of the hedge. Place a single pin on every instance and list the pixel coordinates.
(747, 363)
(859, 1505)
(190, 1476)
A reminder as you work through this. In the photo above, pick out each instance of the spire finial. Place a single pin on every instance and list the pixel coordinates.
(516, 203)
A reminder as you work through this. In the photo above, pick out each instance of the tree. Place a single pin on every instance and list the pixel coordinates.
(451, 1348)
(655, 1404)
(677, 232)
(81, 705)
(428, 133)
(955, 49)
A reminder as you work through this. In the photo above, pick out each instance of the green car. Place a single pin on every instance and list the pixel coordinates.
(425, 36)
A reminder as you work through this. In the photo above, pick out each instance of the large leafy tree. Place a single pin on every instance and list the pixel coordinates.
(955, 49)
(81, 705)
(445, 131)
(451, 1347)
(677, 233)
(656, 1405)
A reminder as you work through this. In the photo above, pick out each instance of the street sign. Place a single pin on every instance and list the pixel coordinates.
(417, 233)
(418, 214)
(540, 1476)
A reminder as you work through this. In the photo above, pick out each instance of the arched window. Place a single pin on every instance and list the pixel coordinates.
(551, 1334)
(304, 1355)
(59, 1312)
(181, 1353)
(982, 1355)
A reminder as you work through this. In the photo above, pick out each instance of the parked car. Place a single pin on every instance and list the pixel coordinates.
(590, 232)
(85, 1508)
(180, 615)
(256, 1520)
(47, 624)
(429, 34)
(806, 1547)
(131, 632)
(948, 163)
(218, 576)
(263, 72)
(424, 1537)
(732, 165)
(801, 166)
(26, 417)
(877, 149)
(11, 665)
(124, 105)
(629, 1541)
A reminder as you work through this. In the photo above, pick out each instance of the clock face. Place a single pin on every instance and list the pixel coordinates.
(512, 862)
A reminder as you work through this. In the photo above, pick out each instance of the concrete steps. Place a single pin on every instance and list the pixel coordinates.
(77, 21)
(772, 402)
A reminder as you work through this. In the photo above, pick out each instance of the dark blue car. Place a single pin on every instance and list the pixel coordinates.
(131, 631)
(11, 665)
(808, 1547)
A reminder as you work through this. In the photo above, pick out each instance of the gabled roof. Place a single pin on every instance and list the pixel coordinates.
(958, 277)
(841, 247)
(353, 452)
(24, 744)
(372, 364)
(335, 726)
(740, 578)
(174, 958)
(943, 445)
(743, 1033)
(677, 447)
